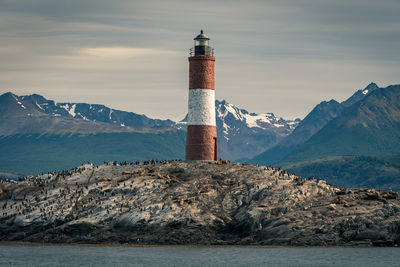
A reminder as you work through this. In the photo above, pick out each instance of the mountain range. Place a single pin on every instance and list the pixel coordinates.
(311, 124)
(354, 143)
(244, 135)
(370, 127)
(35, 114)
(36, 132)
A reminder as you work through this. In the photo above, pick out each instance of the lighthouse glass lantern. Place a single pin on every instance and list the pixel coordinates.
(201, 46)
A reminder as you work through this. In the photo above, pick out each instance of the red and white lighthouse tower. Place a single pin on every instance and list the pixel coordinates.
(201, 139)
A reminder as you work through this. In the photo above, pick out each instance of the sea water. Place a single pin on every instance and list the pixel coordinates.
(195, 256)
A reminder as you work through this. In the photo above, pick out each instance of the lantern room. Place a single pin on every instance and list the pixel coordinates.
(201, 46)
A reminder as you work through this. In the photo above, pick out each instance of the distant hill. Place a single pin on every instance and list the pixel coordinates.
(371, 126)
(34, 153)
(360, 147)
(35, 114)
(353, 171)
(311, 124)
(355, 143)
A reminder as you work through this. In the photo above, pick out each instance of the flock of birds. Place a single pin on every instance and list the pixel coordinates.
(41, 199)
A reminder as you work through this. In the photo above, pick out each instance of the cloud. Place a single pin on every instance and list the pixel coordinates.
(123, 52)
(286, 54)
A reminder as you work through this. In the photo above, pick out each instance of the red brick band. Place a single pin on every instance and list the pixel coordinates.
(201, 142)
(201, 72)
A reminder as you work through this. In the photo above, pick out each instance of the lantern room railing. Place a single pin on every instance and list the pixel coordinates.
(201, 51)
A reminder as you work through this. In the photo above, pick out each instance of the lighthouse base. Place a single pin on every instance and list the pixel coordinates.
(201, 143)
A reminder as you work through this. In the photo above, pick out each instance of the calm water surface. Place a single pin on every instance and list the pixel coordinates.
(189, 256)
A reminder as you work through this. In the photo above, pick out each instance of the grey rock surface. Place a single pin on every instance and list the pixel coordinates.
(177, 202)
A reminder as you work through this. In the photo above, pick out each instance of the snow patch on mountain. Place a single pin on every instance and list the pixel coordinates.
(39, 106)
(242, 134)
(22, 106)
(19, 103)
(69, 108)
(252, 120)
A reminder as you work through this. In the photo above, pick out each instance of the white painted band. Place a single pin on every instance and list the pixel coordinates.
(201, 107)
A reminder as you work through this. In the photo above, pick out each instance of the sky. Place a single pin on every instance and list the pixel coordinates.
(281, 56)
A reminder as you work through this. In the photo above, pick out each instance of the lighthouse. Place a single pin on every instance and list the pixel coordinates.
(201, 139)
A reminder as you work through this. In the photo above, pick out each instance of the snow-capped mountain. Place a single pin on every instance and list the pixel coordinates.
(240, 134)
(95, 112)
(36, 114)
(227, 112)
(243, 135)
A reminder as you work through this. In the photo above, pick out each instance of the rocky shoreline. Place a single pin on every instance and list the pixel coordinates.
(193, 203)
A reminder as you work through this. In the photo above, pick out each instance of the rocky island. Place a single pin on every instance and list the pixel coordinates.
(197, 203)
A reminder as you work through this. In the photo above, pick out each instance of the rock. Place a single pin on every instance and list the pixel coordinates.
(178, 202)
(383, 243)
(277, 231)
(370, 234)
(349, 235)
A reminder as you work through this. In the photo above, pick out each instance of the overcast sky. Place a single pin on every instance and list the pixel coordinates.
(271, 56)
